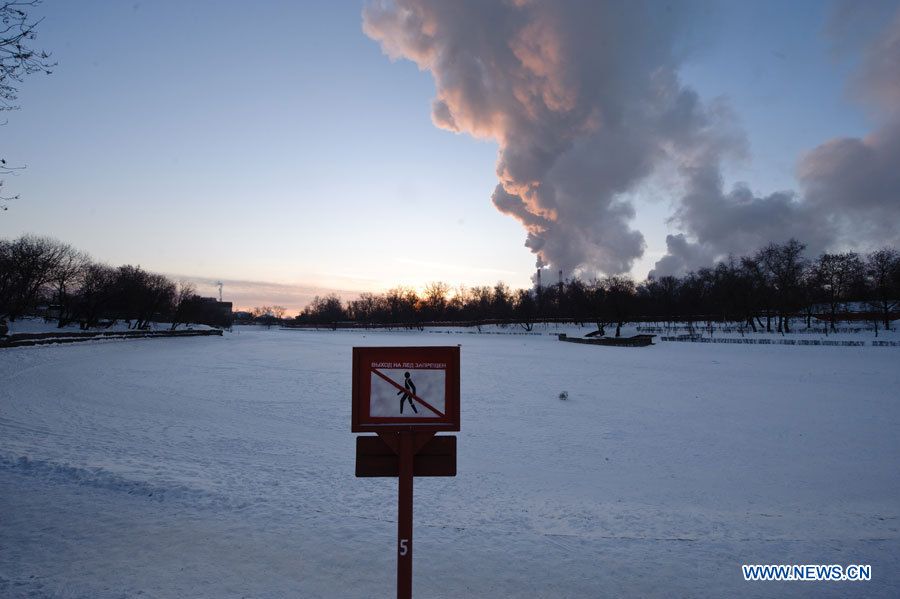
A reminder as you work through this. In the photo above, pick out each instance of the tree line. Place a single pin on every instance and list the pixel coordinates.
(40, 271)
(766, 290)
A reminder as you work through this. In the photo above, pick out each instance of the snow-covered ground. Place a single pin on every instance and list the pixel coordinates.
(39, 325)
(224, 467)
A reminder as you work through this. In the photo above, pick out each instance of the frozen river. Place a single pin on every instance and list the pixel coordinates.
(224, 467)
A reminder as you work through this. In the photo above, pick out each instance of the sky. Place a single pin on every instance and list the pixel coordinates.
(292, 149)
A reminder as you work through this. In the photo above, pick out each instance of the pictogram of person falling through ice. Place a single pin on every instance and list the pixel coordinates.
(410, 386)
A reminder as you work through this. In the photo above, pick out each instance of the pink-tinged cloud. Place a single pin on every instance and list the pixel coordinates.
(247, 294)
(855, 183)
(879, 78)
(582, 98)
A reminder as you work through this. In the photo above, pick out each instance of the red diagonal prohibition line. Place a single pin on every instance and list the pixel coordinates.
(410, 393)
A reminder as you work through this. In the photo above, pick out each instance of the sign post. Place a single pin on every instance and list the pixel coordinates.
(406, 395)
(405, 519)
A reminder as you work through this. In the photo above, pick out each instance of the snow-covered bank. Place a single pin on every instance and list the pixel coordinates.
(224, 467)
(40, 325)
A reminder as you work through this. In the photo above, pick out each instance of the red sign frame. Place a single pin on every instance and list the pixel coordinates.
(364, 361)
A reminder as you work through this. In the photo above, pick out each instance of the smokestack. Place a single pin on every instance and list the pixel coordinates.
(538, 279)
(560, 282)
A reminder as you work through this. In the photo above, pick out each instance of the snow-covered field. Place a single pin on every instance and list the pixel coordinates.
(224, 467)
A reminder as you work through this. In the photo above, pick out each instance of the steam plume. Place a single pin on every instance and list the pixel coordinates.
(584, 101)
(581, 96)
(851, 186)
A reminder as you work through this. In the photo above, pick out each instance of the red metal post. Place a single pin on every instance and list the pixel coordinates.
(405, 518)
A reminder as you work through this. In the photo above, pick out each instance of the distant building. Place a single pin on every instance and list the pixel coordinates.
(206, 310)
(221, 308)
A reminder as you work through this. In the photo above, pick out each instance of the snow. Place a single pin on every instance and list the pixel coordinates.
(224, 467)
(40, 325)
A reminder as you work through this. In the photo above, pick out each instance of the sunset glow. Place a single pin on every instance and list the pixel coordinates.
(335, 167)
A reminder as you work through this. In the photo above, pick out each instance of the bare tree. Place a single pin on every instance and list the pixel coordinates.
(837, 275)
(401, 303)
(598, 306)
(183, 303)
(141, 295)
(65, 278)
(263, 315)
(456, 303)
(435, 299)
(883, 271)
(17, 60)
(260, 311)
(6, 276)
(157, 299)
(368, 308)
(323, 310)
(98, 287)
(479, 301)
(784, 265)
(619, 300)
(524, 308)
(501, 302)
(31, 262)
(577, 300)
(759, 290)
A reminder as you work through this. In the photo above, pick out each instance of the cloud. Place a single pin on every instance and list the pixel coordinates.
(854, 183)
(582, 97)
(584, 101)
(247, 294)
(681, 256)
(736, 222)
(871, 30)
(850, 186)
(880, 76)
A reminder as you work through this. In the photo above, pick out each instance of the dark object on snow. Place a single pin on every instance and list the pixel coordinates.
(564, 395)
(635, 341)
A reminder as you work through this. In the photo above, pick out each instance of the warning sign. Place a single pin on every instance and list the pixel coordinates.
(395, 388)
